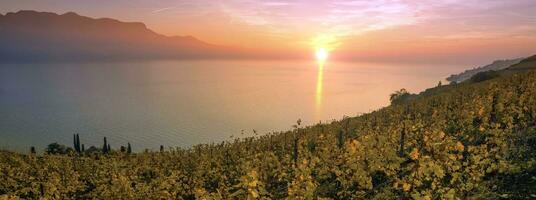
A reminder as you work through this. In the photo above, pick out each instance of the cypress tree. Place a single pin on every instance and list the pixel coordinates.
(78, 149)
(129, 149)
(105, 146)
(109, 148)
(161, 148)
(83, 148)
(122, 149)
(32, 150)
(74, 142)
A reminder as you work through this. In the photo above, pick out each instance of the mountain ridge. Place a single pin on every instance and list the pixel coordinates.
(29, 35)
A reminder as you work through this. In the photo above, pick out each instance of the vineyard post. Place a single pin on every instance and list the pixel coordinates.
(403, 133)
(271, 142)
(285, 141)
(341, 139)
(402, 138)
(295, 155)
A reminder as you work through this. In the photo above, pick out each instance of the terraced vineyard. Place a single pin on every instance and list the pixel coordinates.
(474, 140)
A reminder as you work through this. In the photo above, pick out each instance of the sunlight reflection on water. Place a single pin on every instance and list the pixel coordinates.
(318, 96)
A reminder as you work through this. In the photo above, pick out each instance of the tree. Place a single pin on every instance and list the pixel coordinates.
(56, 148)
(78, 149)
(399, 96)
(76, 143)
(129, 149)
(105, 146)
(483, 76)
(93, 150)
(340, 139)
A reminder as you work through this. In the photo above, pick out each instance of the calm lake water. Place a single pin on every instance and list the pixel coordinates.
(182, 103)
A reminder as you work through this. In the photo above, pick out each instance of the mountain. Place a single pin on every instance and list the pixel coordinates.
(43, 36)
(496, 65)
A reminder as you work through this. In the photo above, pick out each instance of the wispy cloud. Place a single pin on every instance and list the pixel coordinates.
(340, 18)
(277, 3)
(307, 20)
(162, 9)
(300, 21)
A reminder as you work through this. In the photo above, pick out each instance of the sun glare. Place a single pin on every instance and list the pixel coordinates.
(323, 44)
(321, 54)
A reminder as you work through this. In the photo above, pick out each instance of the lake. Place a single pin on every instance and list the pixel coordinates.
(182, 103)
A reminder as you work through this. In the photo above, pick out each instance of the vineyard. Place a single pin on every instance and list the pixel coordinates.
(474, 140)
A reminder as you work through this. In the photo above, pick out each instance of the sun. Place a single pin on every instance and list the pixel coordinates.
(321, 54)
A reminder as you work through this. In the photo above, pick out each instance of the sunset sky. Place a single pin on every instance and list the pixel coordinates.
(468, 30)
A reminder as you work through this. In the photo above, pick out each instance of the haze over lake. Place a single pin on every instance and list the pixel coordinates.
(183, 103)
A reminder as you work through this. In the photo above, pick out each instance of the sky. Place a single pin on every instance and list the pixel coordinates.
(388, 30)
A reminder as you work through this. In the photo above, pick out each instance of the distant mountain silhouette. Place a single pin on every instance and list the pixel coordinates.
(496, 65)
(31, 36)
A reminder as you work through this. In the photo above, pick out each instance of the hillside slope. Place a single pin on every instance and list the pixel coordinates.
(495, 66)
(526, 64)
(472, 141)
